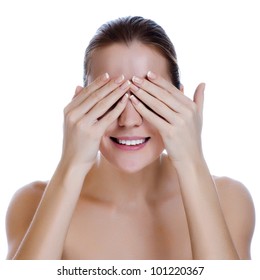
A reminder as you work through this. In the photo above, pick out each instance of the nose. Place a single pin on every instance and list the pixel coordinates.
(130, 117)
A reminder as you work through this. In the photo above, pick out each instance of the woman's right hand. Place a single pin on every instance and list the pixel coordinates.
(87, 117)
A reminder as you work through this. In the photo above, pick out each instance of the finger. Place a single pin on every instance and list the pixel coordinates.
(165, 107)
(170, 100)
(96, 84)
(199, 98)
(156, 106)
(158, 122)
(102, 92)
(168, 86)
(101, 108)
(158, 80)
(109, 118)
(85, 101)
(82, 93)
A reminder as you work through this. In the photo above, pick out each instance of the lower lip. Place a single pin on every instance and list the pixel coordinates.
(130, 148)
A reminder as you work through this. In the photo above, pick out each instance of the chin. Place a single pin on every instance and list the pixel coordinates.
(129, 165)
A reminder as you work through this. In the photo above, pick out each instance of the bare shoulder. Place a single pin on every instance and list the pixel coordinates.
(238, 209)
(20, 213)
(231, 191)
(225, 185)
(27, 196)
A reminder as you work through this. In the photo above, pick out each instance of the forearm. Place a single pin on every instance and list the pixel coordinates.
(210, 237)
(46, 235)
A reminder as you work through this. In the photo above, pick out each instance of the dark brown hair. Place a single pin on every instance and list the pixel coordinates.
(128, 29)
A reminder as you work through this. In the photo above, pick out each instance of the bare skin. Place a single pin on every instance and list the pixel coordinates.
(131, 204)
(143, 227)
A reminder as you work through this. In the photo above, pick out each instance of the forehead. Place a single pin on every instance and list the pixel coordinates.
(133, 59)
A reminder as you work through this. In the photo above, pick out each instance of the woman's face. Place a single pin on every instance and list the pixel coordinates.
(130, 129)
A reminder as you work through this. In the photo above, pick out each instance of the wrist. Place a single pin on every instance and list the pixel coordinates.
(194, 175)
(70, 171)
(190, 163)
(193, 171)
(72, 164)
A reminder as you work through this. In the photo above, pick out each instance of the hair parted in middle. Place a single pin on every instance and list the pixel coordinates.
(127, 30)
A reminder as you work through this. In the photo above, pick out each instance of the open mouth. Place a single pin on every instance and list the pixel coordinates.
(130, 142)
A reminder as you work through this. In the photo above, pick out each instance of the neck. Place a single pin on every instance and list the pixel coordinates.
(106, 182)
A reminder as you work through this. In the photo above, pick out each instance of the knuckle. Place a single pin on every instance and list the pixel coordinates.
(181, 122)
(191, 111)
(81, 126)
(96, 97)
(70, 118)
(66, 110)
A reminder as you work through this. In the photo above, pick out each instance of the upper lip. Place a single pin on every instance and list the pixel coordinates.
(130, 137)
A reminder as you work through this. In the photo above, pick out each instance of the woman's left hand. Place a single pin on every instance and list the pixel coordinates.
(177, 118)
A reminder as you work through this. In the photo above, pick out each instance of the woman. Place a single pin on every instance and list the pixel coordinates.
(131, 200)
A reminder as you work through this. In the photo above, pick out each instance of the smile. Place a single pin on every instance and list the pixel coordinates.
(130, 141)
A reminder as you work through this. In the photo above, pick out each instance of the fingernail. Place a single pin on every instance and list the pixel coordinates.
(134, 99)
(119, 79)
(125, 85)
(151, 75)
(105, 77)
(124, 98)
(137, 80)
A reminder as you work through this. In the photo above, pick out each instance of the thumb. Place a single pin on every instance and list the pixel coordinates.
(199, 97)
(77, 91)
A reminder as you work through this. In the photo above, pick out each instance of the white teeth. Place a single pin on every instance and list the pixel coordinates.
(131, 142)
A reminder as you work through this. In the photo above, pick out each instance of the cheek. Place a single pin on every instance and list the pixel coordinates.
(110, 131)
(157, 142)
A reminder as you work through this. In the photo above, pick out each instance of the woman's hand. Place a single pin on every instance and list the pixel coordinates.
(87, 117)
(179, 121)
(177, 118)
(44, 227)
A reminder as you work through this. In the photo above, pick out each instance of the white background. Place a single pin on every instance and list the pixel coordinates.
(41, 60)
